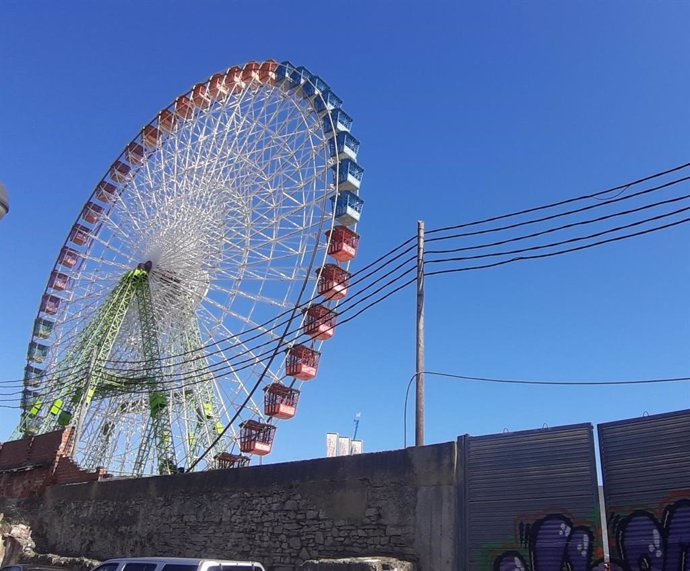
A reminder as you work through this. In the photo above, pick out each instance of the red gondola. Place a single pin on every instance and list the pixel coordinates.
(167, 120)
(256, 437)
(267, 71)
(50, 304)
(333, 281)
(105, 191)
(68, 257)
(91, 212)
(79, 235)
(226, 460)
(184, 107)
(233, 82)
(342, 243)
(200, 96)
(319, 322)
(58, 281)
(216, 87)
(280, 401)
(250, 71)
(302, 362)
(151, 135)
(135, 153)
(120, 171)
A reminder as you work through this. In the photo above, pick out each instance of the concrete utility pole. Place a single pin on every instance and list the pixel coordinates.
(419, 416)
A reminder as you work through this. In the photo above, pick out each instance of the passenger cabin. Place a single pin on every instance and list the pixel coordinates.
(58, 281)
(92, 212)
(37, 352)
(338, 121)
(32, 376)
(135, 153)
(43, 328)
(256, 437)
(333, 281)
(280, 401)
(200, 96)
(344, 146)
(68, 257)
(225, 460)
(233, 79)
(348, 207)
(302, 362)
(267, 71)
(314, 86)
(184, 107)
(327, 102)
(167, 120)
(349, 175)
(250, 72)
(105, 191)
(342, 243)
(79, 235)
(50, 304)
(151, 135)
(216, 87)
(319, 322)
(119, 172)
(284, 72)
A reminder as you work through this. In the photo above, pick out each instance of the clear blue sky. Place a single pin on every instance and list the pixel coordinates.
(464, 110)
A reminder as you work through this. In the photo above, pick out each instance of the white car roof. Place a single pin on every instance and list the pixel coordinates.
(177, 561)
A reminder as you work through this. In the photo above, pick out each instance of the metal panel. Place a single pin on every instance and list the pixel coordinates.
(646, 468)
(529, 497)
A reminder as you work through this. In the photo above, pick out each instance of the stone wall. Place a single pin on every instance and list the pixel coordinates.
(399, 504)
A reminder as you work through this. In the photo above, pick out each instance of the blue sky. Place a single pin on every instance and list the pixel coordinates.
(464, 110)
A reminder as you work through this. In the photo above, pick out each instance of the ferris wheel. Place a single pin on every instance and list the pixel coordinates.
(223, 232)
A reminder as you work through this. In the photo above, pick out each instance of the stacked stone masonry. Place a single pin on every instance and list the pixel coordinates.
(399, 504)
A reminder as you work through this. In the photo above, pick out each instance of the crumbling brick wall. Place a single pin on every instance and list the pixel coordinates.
(29, 465)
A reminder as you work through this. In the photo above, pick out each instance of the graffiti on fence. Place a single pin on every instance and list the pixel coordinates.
(552, 543)
(646, 543)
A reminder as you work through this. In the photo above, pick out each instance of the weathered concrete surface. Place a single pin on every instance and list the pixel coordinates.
(359, 564)
(399, 504)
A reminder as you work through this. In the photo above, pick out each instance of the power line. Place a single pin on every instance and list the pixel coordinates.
(531, 382)
(560, 202)
(560, 252)
(562, 242)
(559, 228)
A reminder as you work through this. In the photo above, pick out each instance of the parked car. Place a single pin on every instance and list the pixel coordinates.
(176, 564)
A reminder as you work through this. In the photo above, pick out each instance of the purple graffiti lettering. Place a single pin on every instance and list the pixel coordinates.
(641, 542)
(510, 561)
(677, 526)
(549, 542)
(580, 548)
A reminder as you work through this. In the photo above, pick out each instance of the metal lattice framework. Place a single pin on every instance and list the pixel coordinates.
(206, 229)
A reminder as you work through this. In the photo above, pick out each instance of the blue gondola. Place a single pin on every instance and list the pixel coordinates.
(349, 175)
(315, 86)
(284, 74)
(43, 328)
(348, 207)
(327, 102)
(37, 352)
(32, 376)
(300, 76)
(344, 146)
(341, 121)
(29, 398)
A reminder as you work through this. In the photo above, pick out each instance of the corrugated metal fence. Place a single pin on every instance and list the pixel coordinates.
(528, 501)
(646, 468)
(528, 497)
